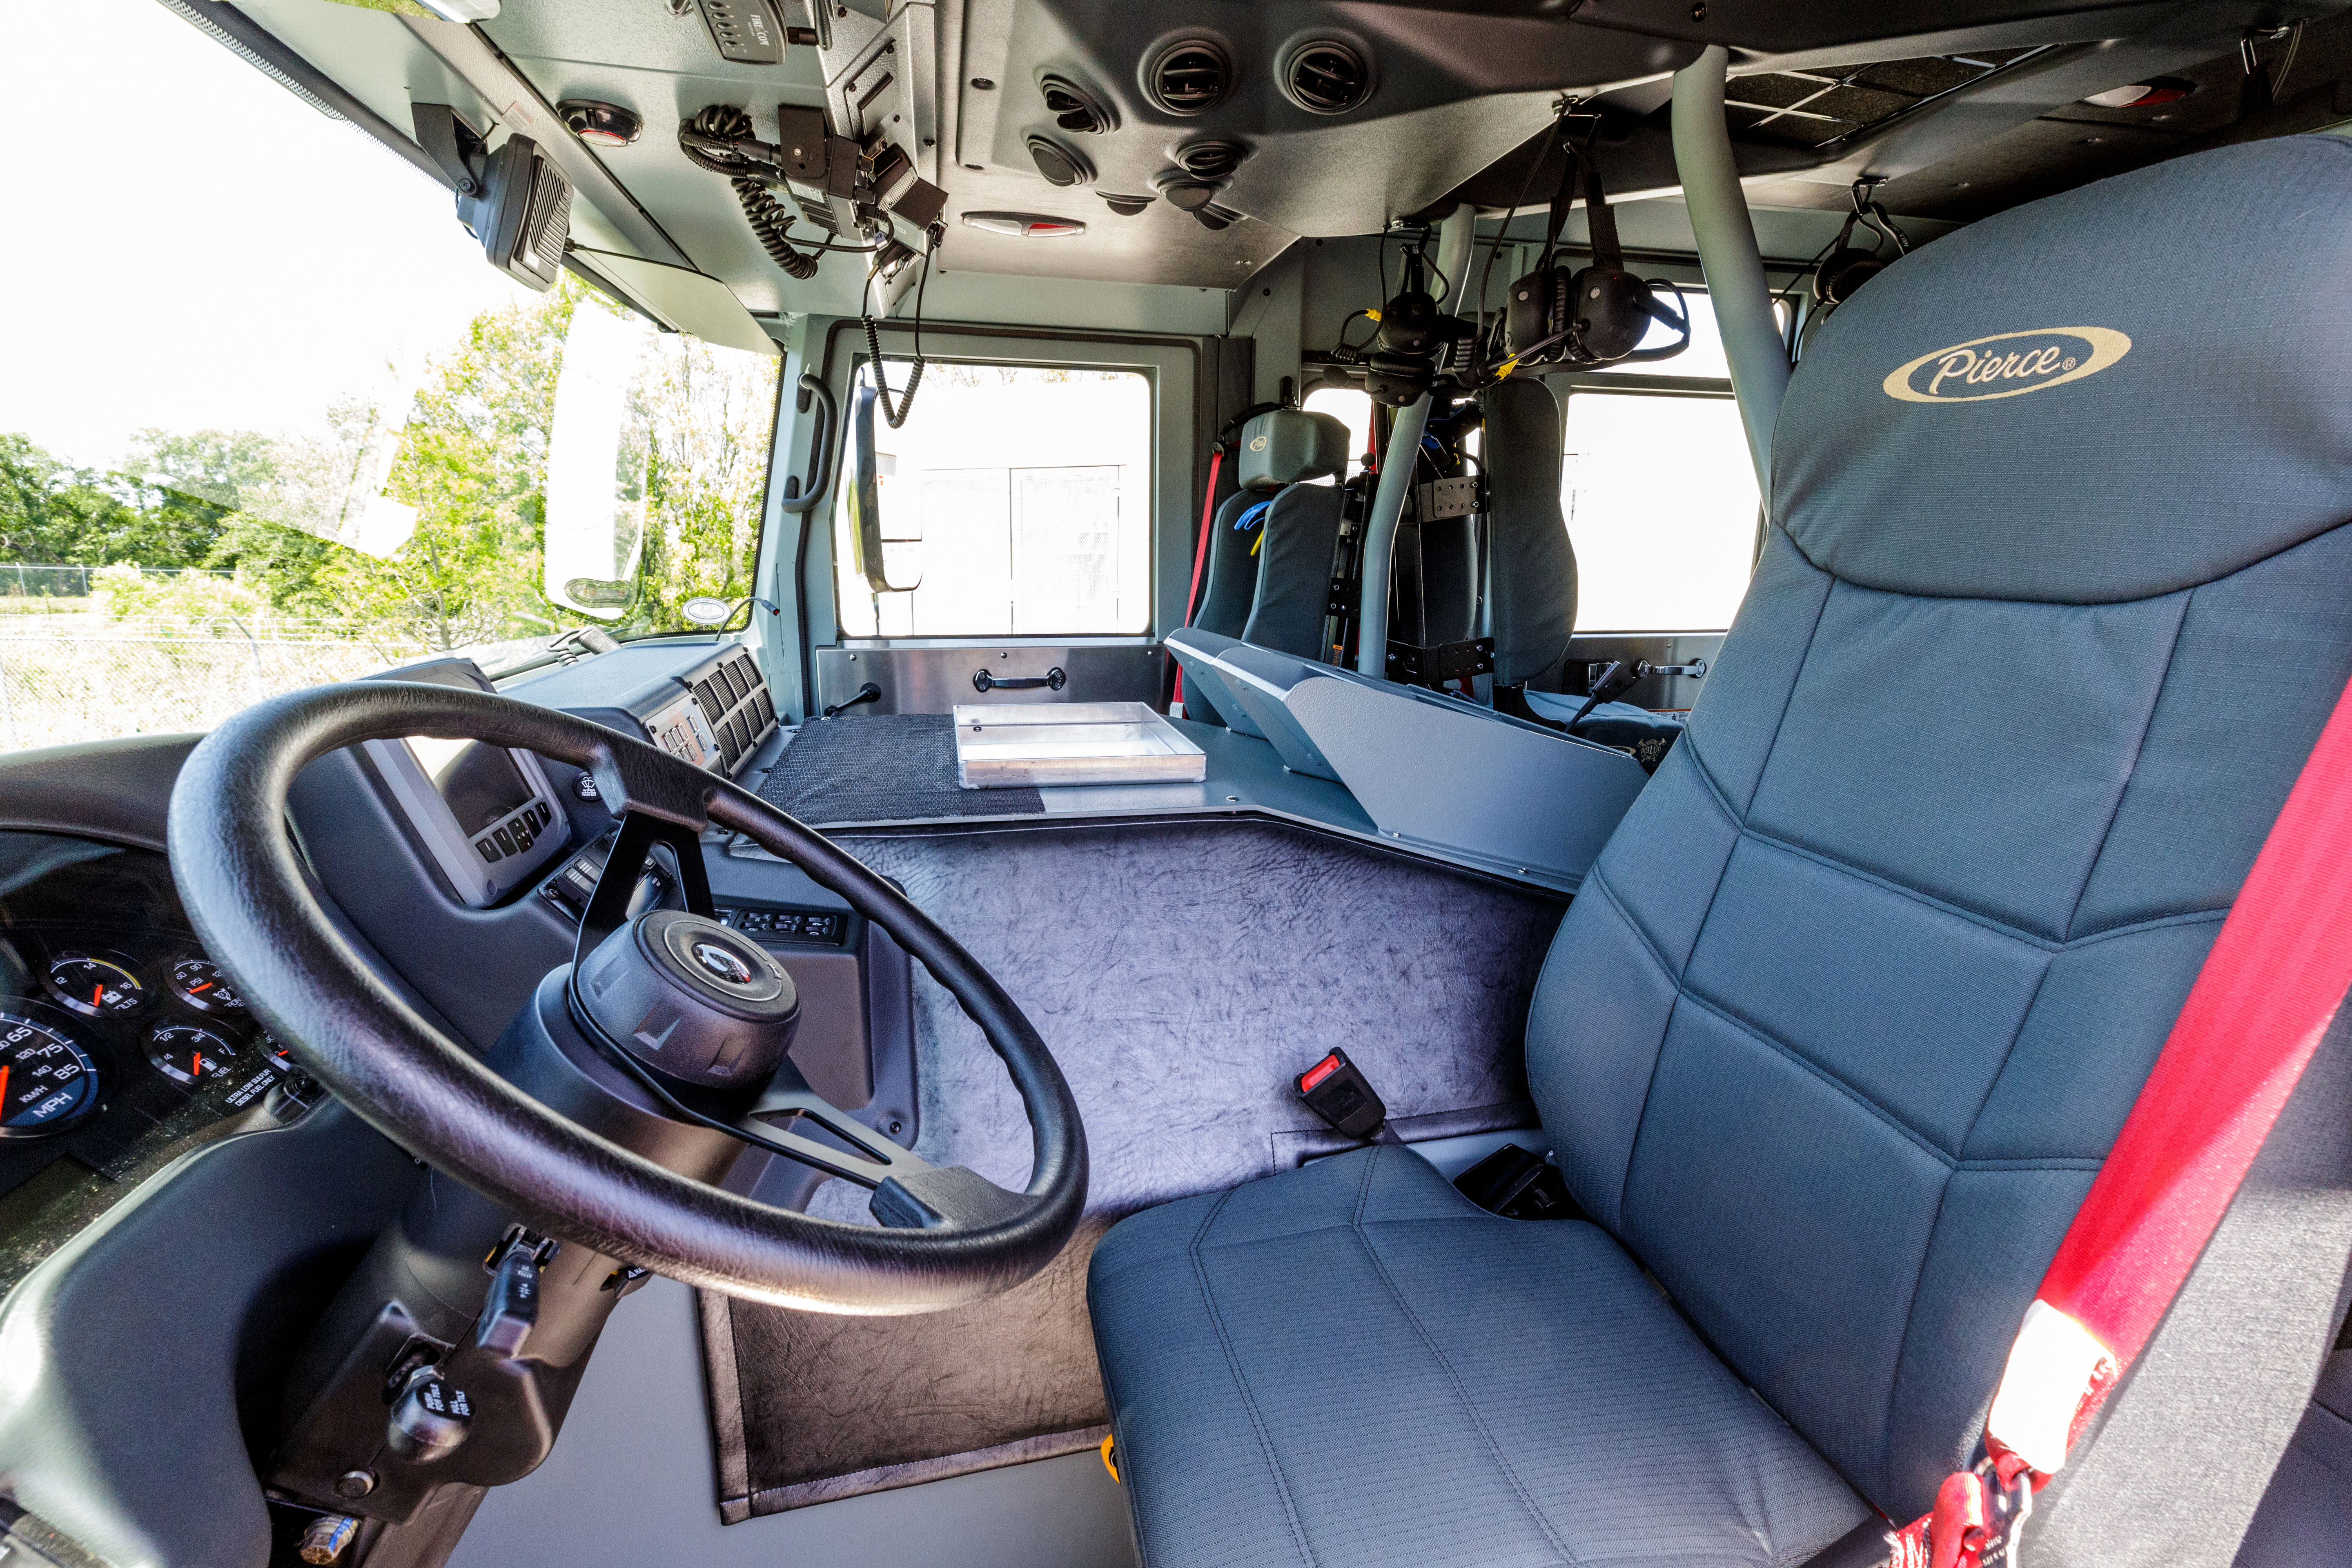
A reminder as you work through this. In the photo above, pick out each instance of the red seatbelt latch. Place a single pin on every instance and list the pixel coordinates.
(1974, 1524)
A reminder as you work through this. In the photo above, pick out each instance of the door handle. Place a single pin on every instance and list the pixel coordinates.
(1052, 679)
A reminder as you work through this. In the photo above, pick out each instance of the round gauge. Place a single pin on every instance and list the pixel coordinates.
(190, 1053)
(47, 1080)
(101, 986)
(274, 1052)
(200, 982)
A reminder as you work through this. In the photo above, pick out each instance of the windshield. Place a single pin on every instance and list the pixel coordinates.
(279, 421)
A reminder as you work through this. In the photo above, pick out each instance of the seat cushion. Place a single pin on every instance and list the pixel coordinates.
(1352, 1364)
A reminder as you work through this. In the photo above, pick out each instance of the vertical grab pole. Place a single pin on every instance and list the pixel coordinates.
(1455, 238)
(1398, 465)
(1728, 255)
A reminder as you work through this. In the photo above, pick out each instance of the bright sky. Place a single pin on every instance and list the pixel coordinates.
(190, 246)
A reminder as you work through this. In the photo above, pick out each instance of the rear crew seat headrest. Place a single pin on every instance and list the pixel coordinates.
(1284, 446)
(2122, 391)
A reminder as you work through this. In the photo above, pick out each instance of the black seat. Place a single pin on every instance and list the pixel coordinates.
(1530, 563)
(1276, 452)
(1843, 1022)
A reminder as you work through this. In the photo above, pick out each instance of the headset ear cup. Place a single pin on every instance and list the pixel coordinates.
(1844, 271)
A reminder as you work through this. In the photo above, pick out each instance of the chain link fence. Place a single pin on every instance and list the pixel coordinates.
(80, 675)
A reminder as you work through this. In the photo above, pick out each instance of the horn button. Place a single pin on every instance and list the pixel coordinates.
(691, 998)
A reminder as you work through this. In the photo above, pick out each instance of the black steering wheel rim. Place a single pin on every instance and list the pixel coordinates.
(251, 901)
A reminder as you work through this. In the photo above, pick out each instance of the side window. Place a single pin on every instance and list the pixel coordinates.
(1659, 492)
(1352, 406)
(1015, 500)
(1661, 503)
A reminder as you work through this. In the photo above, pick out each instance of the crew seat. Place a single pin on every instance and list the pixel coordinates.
(1278, 450)
(1843, 1022)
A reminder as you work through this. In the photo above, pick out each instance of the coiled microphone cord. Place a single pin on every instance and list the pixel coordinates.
(770, 218)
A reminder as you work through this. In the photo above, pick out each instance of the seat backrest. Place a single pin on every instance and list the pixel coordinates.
(1299, 547)
(2058, 597)
(1273, 452)
(1530, 565)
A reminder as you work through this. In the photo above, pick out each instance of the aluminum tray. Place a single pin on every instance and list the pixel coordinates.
(1034, 743)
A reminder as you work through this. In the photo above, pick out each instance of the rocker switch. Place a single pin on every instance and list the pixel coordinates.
(511, 1307)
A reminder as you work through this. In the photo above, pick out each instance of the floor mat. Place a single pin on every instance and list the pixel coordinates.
(882, 767)
(1181, 973)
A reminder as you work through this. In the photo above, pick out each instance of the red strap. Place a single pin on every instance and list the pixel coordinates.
(2267, 992)
(1201, 554)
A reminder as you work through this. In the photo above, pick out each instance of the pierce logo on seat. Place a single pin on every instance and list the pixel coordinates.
(2007, 364)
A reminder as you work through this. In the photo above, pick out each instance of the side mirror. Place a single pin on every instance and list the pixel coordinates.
(890, 563)
(596, 467)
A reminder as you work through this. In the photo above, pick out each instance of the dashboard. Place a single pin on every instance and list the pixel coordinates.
(122, 1045)
(180, 1204)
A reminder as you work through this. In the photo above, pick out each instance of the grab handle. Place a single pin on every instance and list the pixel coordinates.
(1052, 679)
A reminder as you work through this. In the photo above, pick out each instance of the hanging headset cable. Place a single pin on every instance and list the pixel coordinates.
(897, 417)
(1494, 248)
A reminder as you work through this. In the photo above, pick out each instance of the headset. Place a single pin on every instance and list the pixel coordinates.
(1598, 314)
(1848, 266)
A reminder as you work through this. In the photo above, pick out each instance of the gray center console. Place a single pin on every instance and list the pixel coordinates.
(1437, 773)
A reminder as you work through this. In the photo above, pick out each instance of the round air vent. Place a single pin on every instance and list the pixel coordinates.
(1074, 108)
(1125, 206)
(1189, 76)
(1325, 76)
(1058, 163)
(1213, 159)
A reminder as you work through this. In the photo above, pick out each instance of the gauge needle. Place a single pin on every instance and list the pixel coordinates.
(200, 990)
(5, 1068)
(97, 994)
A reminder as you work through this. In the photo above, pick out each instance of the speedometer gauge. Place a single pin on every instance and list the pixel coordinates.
(46, 1081)
(91, 982)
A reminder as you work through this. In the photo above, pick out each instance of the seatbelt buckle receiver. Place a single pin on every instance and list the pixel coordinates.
(1337, 1091)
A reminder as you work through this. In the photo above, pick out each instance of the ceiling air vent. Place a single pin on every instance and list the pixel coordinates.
(1214, 159)
(1058, 163)
(1326, 77)
(1074, 108)
(1189, 76)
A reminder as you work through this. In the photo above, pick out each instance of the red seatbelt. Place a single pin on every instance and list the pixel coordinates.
(1200, 551)
(2266, 994)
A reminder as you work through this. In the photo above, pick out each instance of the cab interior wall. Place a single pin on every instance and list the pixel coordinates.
(1183, 959)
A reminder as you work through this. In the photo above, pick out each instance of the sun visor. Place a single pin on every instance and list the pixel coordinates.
(682, 300)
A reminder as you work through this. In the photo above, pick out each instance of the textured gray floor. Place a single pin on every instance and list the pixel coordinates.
(1181, 973)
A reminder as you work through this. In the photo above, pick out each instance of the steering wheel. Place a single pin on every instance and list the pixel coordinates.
(251, 902)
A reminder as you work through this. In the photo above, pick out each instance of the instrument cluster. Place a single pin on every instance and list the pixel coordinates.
(121, 1040)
